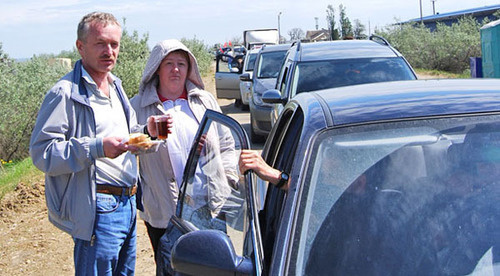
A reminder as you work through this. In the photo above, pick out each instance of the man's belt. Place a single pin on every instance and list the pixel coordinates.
(114, 190)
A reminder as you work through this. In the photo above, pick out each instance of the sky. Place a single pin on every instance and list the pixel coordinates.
(34, 27)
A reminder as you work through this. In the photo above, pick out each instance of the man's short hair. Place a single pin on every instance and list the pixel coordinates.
(94, 17)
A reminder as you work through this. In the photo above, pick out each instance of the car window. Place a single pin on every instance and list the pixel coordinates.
(282, 78)
(402, 198)
(311, 76)
(213, 191)
(280, 154)
(251, 62)
(269, 64)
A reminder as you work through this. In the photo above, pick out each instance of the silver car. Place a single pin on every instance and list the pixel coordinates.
(267, 67)
(246, 77)
(320, 65)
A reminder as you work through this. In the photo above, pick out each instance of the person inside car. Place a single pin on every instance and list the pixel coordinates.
(252, 160)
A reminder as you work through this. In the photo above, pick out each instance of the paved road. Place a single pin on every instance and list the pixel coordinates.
(243, 117)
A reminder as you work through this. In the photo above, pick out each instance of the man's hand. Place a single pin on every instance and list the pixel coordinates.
(252, 160)
(113, 146)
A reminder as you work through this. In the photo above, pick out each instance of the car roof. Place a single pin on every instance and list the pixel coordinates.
(400, 100)
(274, 48)
(253, 51)
(342, 49)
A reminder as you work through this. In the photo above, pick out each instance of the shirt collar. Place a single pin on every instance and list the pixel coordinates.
(88, 78)
(182, 96)
(94, 90)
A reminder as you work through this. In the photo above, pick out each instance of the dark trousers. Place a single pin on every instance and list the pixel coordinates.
(154, 236)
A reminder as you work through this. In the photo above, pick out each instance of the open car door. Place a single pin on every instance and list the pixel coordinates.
(227, 77)
(215, 228)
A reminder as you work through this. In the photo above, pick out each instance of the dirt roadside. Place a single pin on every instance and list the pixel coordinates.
(31, 245)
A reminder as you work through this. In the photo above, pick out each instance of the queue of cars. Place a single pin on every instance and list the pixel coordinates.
(313, 66)
(388, 178)
(266, 69)
(393, 177)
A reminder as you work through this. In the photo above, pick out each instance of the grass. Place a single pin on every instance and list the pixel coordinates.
(443, 74)
(12, 174)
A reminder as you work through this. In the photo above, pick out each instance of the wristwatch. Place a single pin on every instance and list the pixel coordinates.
(283, 180)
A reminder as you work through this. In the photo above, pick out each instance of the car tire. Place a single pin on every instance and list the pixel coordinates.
(254, 137)
(238, 103)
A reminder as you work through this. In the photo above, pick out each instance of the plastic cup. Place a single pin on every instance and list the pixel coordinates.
(161, 126)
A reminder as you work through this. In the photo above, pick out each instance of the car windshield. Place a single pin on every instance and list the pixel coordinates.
(316, 75)
(406, 198)
(251, 62)
(269, 64)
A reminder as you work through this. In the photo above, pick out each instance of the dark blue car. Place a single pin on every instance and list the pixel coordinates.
(395, 178)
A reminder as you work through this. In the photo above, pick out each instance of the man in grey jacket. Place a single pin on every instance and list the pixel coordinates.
(90, 177)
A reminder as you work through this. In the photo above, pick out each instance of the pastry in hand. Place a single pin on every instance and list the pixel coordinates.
(139, 140)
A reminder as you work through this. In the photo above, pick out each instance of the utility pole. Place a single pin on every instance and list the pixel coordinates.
(421, 20)
(433, 7)
(279, 33)
(316, 19)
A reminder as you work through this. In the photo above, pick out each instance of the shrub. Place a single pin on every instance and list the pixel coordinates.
(448, 48)
(134, 53)
(201, 52)
(22, 88)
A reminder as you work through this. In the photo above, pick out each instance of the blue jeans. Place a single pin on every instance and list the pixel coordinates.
(112, 249)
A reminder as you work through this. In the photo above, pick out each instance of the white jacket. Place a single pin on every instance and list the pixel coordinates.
(159, 188)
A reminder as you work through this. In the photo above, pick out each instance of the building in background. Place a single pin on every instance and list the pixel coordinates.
(452, 17)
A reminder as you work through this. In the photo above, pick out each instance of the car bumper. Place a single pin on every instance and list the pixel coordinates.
(246, 92)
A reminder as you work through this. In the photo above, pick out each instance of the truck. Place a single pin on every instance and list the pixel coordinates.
(227, 82)
(258, 37)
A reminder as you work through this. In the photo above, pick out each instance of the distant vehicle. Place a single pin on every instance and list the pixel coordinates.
(320, 65)
(239, 50)
(267, 67)
(227, 81)
(394, 178)
(259, 37)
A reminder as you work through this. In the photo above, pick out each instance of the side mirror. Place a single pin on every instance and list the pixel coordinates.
(245, 77)
(208, 252)
(273, 96)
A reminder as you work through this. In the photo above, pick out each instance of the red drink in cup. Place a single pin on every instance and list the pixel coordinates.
(161, 126)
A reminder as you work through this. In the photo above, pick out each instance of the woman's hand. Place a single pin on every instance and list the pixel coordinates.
(152, 126)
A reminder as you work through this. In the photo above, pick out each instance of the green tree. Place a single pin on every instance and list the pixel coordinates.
(4, 58)
(359, 29)
(22, 88)
(134, 53)
(201, 52)
(330, 19)
(345, 23)
(448, 48)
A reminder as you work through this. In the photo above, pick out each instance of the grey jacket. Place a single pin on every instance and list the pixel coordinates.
(63, 145)
(159, 188)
